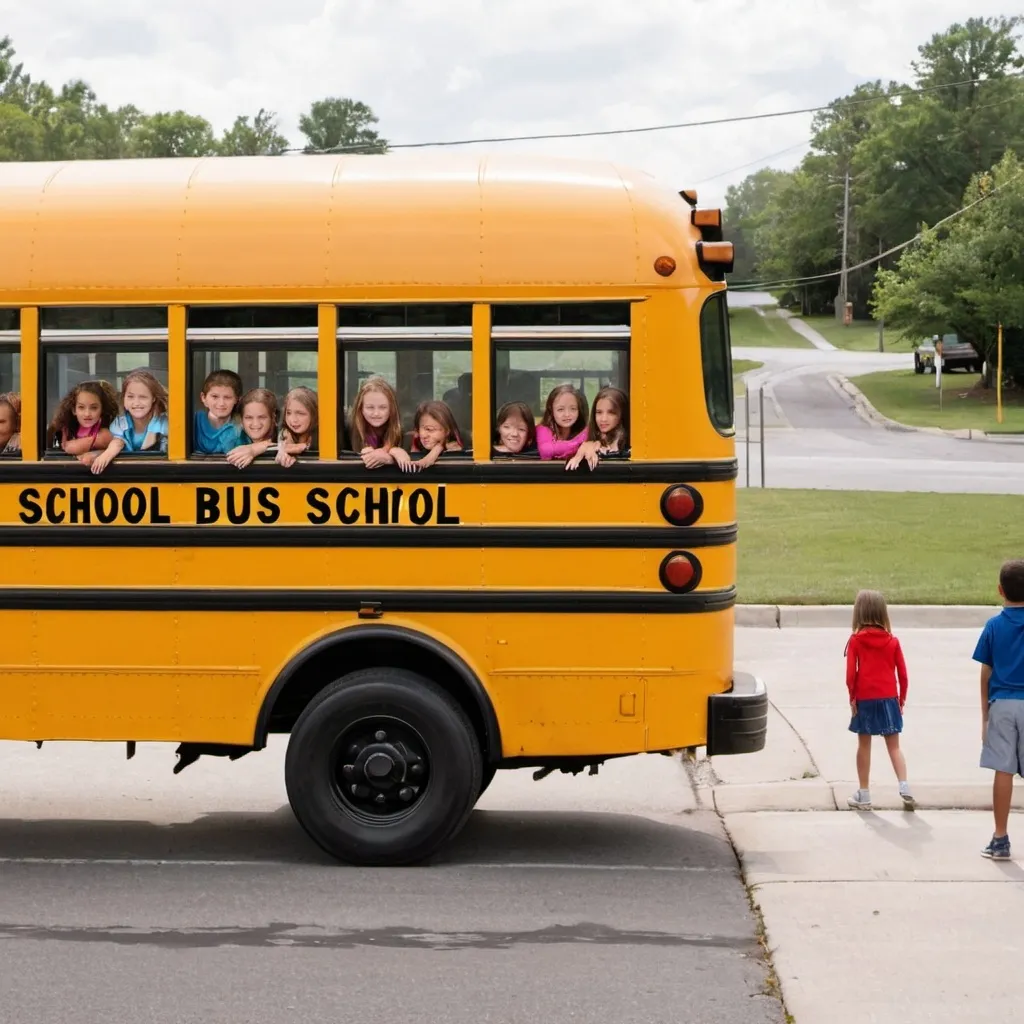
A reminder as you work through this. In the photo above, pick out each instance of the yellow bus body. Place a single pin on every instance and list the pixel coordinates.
(183, 600)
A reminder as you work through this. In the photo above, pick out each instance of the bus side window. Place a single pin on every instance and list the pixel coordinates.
(422, 351)
(238, 351)
(92, 351)
(10, 384)
(567, 351)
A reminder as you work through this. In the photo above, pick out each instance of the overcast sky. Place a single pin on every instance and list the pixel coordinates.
(447, 69)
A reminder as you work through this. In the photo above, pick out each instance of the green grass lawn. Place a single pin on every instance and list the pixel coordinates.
(748, 327)
(821, 547)
(860, 336)
(913, 399)
(742, 366)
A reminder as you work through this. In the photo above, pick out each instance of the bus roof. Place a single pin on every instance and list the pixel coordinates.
(308, 228)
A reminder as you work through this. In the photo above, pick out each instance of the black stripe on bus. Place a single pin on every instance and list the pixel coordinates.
(446, 471)
(373, 603)
(367, 536)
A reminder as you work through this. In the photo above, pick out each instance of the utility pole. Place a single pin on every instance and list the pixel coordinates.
(881, 322)
(841, 311)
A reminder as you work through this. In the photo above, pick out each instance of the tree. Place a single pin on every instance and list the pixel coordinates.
(797, 235)
(968, 277)
(746, 205)
(13, 80)
(21, 136)
(261, 138)
(171, 134)
(916, 162)
(337, 124)
(910, 157)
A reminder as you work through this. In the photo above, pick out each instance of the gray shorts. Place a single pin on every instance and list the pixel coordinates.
(1003, 750)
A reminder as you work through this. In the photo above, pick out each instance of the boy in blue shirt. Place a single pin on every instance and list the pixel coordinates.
(1001, 653)
(215, 428)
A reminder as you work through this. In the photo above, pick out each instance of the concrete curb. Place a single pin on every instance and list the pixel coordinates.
(817, 795)
(838, 616)
(813, 795)
(868, 412)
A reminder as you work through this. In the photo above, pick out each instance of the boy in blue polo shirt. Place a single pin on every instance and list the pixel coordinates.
(1001, 653)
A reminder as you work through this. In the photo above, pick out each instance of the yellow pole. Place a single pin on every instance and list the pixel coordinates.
(330, 402)
(999, 376)
(177, 375)
(481, 418)
(32, 416)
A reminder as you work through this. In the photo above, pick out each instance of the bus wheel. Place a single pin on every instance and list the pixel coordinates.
(383, 767)
(488, 777)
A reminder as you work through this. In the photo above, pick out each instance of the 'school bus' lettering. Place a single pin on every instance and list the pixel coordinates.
(473, 507)
(236, 505)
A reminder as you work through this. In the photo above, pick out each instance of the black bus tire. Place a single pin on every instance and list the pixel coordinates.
(360, 724)
(488, 777)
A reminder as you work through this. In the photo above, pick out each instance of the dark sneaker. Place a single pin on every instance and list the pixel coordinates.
(997, 849)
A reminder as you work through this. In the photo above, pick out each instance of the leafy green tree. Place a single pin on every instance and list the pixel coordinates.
(909, 157)
(798, 234)
(746, 205)
(337, 124)
(260, 138)
(968, 276)
(13, 80)
(916, 162)
(171, 134)
(21, 136)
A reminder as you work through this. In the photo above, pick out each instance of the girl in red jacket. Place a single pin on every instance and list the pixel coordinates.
(876, 677)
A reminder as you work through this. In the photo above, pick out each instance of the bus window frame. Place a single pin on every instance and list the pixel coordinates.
(263, 339)
(395, 339)
(10, 344)
(597, 338)
(720, 299)
(68, 341)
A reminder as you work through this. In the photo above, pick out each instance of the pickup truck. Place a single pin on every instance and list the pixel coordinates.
(956, 354)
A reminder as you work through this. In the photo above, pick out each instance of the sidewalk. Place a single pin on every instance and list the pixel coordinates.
(881, 916)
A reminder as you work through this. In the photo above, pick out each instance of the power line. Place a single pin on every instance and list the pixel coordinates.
(752, 163)
(760, 285)
(736, 119)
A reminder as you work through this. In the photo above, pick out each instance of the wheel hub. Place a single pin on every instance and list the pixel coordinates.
(384, 768)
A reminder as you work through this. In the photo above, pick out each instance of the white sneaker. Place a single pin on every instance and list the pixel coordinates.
(905, 795)
(861, 800)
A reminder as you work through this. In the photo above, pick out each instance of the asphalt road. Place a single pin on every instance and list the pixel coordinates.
(813, 436)
(132, 897)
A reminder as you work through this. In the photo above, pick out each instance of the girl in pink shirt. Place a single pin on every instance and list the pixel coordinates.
(563, 427)
(81, 424)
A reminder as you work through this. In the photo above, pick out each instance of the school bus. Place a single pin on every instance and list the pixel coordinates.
(413, 633)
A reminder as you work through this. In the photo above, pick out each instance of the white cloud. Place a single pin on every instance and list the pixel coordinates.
(461, 78)
(445, 69)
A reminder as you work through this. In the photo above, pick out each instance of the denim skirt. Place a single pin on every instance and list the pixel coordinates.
(880, 717)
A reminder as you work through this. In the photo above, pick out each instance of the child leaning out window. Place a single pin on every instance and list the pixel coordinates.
(10, 423)
(215, 428)
(259, 423)
(299, 425)
(376, 427)
(142, 425)
(609, 428)
(563, 427)
(81, 424)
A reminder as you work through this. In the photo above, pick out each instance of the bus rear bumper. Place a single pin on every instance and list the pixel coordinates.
(738, 718)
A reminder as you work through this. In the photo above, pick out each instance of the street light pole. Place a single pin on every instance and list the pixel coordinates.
(841, 312)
